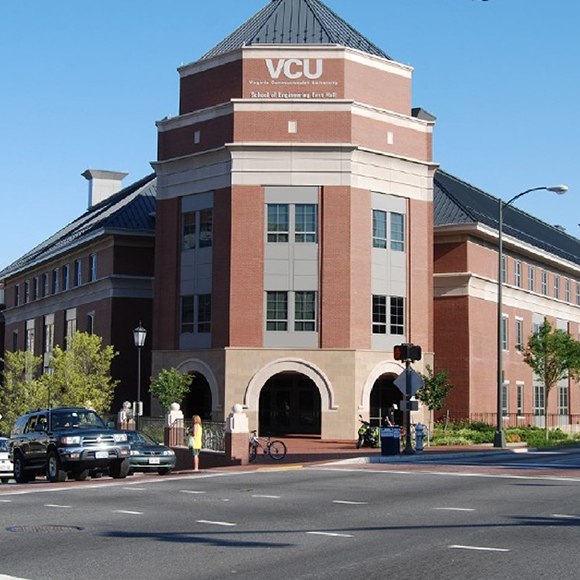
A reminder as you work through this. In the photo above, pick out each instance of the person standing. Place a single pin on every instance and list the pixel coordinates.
(389, 420)
(194, 442)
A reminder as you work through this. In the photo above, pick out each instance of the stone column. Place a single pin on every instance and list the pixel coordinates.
(237, 437)
(174, 427)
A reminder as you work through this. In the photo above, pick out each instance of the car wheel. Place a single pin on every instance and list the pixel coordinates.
(164, 470)
(20, 474)
(54, 473)
(5, 479)
(81, 475)
(119, 469)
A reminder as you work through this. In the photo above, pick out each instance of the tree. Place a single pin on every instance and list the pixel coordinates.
(21, 390)
(170, 386)
(81, 375)
(554, 356)
(435, 389)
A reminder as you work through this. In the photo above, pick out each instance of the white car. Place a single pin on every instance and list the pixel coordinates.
(6, 467)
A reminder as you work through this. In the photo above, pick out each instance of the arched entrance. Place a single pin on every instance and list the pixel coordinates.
(289, 404)
(383, 394)
(198, 401)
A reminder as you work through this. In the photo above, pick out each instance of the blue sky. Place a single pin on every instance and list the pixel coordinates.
(84, 82)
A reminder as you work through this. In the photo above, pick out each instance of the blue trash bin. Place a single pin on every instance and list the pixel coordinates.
(390, 441)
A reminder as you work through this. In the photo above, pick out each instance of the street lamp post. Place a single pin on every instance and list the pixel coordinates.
(139, 336)
(499, 437)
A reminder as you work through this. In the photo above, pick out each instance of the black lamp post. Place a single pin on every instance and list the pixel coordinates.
(499, 437)
(139, 336)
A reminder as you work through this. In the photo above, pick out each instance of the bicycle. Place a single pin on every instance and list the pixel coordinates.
(275, 449)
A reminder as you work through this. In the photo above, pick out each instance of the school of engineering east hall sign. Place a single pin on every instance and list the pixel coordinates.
(292, 78)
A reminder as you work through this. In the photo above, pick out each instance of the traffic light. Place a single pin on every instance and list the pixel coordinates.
(407, 351)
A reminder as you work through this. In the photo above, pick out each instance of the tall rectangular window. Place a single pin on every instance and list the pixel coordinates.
(55, 278)
(35, 284)
(16, 295)
(277, 311)
(48, 337)
(188, 231)
(71, 328)
(563, 404)
(567, 289)
(379, 314)
(205, 228)
(204, 313)
(531, 278)
(519, 334)
(26, 291)
(504, 399)
(305, 223)
(45, 284)
(14, 341)
(397, 315)
(520, 399)
(278, 222)
(397, 232)
(66, 277)
(544, 282)
(504, 333)
(577, 293)
(92, 267)
(379, 228)
(30, 340)
(187, 314)
(91, 323)
(78, 273)
(518, 273)
(539, 400)
(305, 311)
(556, 286)
(504, 269)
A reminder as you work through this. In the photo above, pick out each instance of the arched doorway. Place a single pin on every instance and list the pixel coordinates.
(383, 394)
(198, 401)
(289, 404)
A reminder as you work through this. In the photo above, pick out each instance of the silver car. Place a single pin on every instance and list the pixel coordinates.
(6, 467)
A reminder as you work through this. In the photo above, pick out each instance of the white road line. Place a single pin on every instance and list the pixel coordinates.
(215, 523)
(454, 509)
(190, 491)
(136, 488)
(56, 505)
(267, 496)
(127, 512)
(566, 516)
(5, 501)
(347, 502)
(331, 534)
(480, 548)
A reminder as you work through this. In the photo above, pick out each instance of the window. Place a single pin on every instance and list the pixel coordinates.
(205, 228)
(305, 311)
(503, 269)
(45, 284)
(26, 291)
(30, 338)
(577, 293)
(78, 273)
(91, 323)
(66, 277)
(35, 284)
(16, 294)
(539, 400)
(379, 229)
(196, 313)
(71, 328)
(306, 223)
(204, 313)
(278, 222)
(55, 281)
(563, 400)
(397, 315)
(277, 311)
(520, 399)
(504, 399)
(92, 267)
(14, 341)
(556, 286)
(519, 334)
(504, 333)
(518, 273)
(567, 289)
(397, 232)
(48, 337)
(531, 278)
(188, 231)
(544, 282)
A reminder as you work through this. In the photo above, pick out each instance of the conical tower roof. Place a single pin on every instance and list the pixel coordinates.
(295, 22)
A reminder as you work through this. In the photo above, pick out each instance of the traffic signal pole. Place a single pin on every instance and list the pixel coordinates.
(408, 441)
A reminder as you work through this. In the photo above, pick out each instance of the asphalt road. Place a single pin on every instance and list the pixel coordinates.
(320, 522)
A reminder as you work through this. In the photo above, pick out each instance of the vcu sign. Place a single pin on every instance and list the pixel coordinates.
(294, 68)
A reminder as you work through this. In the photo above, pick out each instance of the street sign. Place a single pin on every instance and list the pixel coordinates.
(409, 405)
(416, 382)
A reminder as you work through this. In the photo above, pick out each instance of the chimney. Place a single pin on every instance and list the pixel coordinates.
(102, 184)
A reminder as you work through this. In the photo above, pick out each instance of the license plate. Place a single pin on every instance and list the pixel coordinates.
(154, 460)
(102, 455)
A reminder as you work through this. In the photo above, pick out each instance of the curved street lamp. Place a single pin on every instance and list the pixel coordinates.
(499, 437)
(139, 336)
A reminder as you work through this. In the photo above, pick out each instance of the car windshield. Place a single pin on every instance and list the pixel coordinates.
(77, 419)
(141, 438)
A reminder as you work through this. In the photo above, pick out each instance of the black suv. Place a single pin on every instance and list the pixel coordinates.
(67, 441)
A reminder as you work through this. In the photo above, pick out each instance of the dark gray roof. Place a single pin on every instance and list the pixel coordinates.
(458, 202)
(295, 22)
(132, 209)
